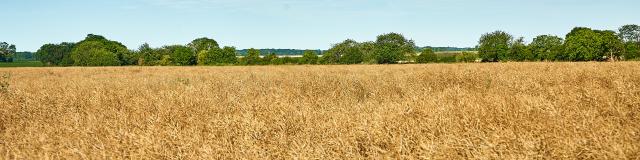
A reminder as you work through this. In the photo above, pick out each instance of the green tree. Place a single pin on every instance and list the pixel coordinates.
(393, 47)
(368, 52)
(7, 52)
(148, 56)
(229, 55)
(494, 46)
(630, 33)
(93, 53)
(427, 56)
(632, 51)
(181, 55)
(253, 57)
(466, 57)
(346, 52)
(203, 44)
(546, 47)
(209, 57)
(519, 51)
(612, 45)
(309, 57)
(124, 56)
(165, 60)
(584, 44)
(56, 54)
(268, 58)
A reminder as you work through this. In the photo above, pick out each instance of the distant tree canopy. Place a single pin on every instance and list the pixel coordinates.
(56, 54)
(494, 46)
(546, 47)
(309, 57)
(203, 44)
(392, 48)
(580, 44)
(96, 50)
(585, 44)
(427, 56)
(630, 33)
(252, 57)
(7, 52)
(346, 52)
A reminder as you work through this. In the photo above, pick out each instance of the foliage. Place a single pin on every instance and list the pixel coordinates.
(148, 56)
(546, 47)
(56, 54)
(427, 56)
(93, 53)
(584, 44)
(346, 52)
(268, 58)
(392, 48)
(203, 44)
(466, 57)
(181, 55)
(252, 58)
(612, 46)
(309, 57)
(368, 52)
(519, 51)
(165, 60)
(229, 55)
(25, 56)
(494, 46)
(632, 51)
(282, 52)
(123, 55)
(7, 51)
(630, 33)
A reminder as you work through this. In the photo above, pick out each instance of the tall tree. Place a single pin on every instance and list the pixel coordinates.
(583, 44)
(519, 51)
(393, 47)
(630, 33)
(368, 52)
(56, 54)
(229, 55)
(203, 44)
(546, 47)
(345, 52)
(7, 51)
(181, 55)
(93, 53)
(124, 56)
(494, 46)
(148, 56)
(612, 45)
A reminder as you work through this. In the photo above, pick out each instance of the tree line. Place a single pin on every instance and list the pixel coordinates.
(581, 44)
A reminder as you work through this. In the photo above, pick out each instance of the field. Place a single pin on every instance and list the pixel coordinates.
(434, 111)
(22, 64)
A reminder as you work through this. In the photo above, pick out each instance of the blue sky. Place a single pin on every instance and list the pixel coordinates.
(301, 24)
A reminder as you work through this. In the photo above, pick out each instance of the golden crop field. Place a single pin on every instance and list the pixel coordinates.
(435, 111)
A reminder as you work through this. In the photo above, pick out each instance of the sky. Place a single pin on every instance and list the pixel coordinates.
(300, 24)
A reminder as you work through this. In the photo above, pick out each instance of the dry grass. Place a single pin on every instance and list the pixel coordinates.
(440, 111)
